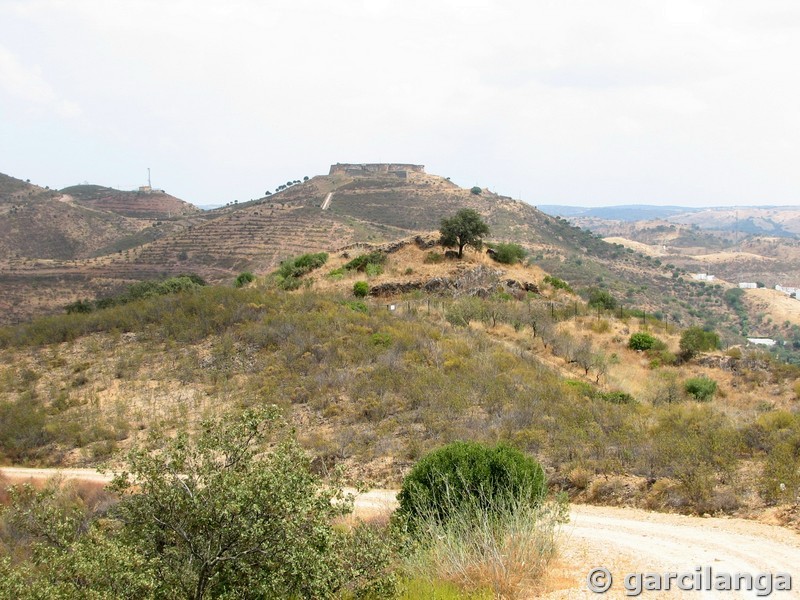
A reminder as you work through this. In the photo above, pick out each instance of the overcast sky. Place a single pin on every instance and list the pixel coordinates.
(586, 102)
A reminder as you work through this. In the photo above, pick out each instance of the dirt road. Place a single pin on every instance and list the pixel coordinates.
(624, 541)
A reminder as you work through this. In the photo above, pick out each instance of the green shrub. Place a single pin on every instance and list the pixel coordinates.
(288, 283)
(642, 341)
(360, 263)
(433, 258)
(299, 266)
(79, 306)
(617, 397)
(373, 270)
(476, 190)
(381, 339)
(601, 299)
(701, 389)
(243, 279)
(360, 289)
(357, 306)
(558, 284)
(23, 429)
(336, 274)
(508, 254)
(462, 473)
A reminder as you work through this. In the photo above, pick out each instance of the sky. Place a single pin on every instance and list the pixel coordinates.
(581, 102)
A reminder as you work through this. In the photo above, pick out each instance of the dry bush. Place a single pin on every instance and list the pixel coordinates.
(506, 552)
(611, 491)
(579, 478)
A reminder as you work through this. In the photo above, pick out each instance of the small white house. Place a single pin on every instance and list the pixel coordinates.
(703, 277)
(748, 286)
(762, 341)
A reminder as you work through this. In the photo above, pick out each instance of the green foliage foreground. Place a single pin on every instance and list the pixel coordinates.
(207, 518)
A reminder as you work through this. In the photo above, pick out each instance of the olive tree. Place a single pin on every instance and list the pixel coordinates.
(466, 227)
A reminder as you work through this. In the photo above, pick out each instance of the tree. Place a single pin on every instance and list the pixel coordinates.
(465, 228)
(601, 299)
(218, 518)
(476, 190)
(696, 339)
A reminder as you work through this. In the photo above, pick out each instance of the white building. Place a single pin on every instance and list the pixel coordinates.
(762, 341)
(703, 277)
(748, 286)
(788, 290)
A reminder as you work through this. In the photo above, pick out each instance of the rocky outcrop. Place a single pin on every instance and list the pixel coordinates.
(481, 281)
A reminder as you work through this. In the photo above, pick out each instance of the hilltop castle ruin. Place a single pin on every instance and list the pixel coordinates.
(399, 169)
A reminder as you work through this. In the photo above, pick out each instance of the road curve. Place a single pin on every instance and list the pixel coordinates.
(623, 540)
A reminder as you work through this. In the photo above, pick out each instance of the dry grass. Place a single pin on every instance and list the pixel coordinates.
(776, 304)
(507, 552)
(646, 249)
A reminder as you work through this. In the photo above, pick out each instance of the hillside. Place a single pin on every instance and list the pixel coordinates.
(77, 222)
(325, 213)
(139, 205)
(490, 352)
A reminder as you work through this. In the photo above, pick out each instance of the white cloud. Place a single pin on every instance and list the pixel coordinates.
(28, 85)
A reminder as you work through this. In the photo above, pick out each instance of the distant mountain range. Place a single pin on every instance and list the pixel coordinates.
(627, 212)
(776, 221)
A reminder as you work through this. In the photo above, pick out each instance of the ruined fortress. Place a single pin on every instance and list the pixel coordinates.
(399, 169)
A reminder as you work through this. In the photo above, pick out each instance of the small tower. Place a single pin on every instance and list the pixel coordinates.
(146, 189)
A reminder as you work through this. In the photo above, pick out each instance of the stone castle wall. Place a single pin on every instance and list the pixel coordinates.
(369, 168)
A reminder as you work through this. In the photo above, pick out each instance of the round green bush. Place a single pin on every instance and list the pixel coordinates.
(641, 341)
(243, 279)
(701, 389)
(360, 289)
(466, 475)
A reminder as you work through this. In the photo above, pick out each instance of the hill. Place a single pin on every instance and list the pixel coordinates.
(355, 204)
(477, 351)
(149, 205)
(775, 221)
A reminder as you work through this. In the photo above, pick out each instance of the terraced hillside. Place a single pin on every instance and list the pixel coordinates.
(81, 221)
(138, 205)
(41, 223)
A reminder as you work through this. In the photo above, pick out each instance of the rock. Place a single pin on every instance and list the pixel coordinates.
(394, 288)
(424, 244)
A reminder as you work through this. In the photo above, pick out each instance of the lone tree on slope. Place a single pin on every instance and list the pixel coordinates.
(466, 227)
